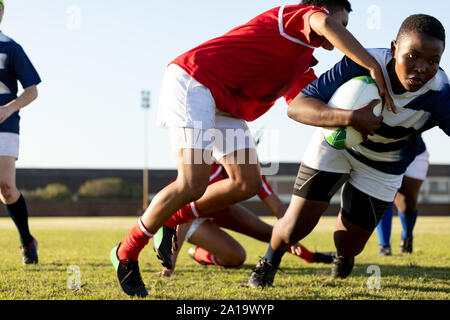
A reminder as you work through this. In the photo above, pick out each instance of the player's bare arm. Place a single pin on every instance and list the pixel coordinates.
(275, 205)
(28, 95)
(314, 112)
(341, 38)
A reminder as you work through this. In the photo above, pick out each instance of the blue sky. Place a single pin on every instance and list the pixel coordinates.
(96, 56)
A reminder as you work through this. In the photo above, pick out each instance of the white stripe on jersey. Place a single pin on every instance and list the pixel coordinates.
(284, 34)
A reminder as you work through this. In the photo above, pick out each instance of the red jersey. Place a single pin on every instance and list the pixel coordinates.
(253, 65)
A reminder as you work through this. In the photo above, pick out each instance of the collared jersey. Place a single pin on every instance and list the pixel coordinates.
(254, 64)
(398, 140)
(14, 65)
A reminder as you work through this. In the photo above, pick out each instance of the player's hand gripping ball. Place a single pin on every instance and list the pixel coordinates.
(352, 95)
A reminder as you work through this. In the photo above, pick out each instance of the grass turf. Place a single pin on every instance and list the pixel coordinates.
(86, 243)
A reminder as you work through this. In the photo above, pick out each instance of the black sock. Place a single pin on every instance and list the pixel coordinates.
(274, 256)
(19, 214)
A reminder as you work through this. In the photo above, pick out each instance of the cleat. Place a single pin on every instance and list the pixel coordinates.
(406, 245)
(128, 274)
(29, 253)
(385, 251)
(191, 253)
(263, 274)
(342, 267)
(323, 257)
(164, 243)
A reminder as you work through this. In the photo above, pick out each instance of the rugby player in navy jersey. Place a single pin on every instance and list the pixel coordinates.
(372, 172)
(14, 66)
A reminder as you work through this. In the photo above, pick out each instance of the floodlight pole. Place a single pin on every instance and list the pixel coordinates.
(145, 103)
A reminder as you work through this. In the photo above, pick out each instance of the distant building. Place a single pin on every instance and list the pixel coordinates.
(434, 196)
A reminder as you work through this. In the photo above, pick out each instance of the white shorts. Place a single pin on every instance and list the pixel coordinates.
(419, 167)
(187, 108)
(194, 226)
(9, 144)
(320, 156)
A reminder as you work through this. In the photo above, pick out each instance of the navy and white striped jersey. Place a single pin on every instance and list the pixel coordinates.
(398, 140)
(14, 65)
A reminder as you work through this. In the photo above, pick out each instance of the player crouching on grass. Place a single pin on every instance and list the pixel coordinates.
(210, 91)
(373, 171)
(14, 65)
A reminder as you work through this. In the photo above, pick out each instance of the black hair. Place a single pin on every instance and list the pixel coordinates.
(422, 23)
(332, 5)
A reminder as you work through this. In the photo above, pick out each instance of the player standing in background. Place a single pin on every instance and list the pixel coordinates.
(372, 172)
(209, 92)
(406, 203)
(14, 65)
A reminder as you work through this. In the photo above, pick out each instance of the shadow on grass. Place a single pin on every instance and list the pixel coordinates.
(410, 272)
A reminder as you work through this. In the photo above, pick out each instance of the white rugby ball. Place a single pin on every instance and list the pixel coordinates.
(352, 95)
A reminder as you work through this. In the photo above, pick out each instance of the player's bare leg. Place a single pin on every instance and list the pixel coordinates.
(244, 181)
(215, 246)
(349, 239)
(190, 185)
(299, 220)
(240, 219)
(16, 207)
(193, 177)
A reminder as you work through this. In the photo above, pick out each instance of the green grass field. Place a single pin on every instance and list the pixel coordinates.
(86, 243)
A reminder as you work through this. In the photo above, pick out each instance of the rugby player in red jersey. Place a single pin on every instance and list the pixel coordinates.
(208, 94)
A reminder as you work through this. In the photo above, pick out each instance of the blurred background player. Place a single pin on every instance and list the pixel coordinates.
(214, 246)
(208, 94)
(406, 203)
(372, 172)
(15, 66)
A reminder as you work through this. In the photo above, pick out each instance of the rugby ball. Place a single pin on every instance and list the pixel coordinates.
(352, 95)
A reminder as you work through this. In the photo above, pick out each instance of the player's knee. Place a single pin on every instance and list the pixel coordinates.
(236, 259)
(191, 190)
(7, 191)
(349, 251)
(250, 187)
(410, 205)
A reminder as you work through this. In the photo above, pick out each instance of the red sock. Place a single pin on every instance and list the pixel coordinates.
(184, 215)
(305, 254)
(201, 255)
(135, 241)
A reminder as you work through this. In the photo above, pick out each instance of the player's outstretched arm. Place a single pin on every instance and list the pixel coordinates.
(28, 95)
(275, 205)
(342, 39)
(314, 112)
